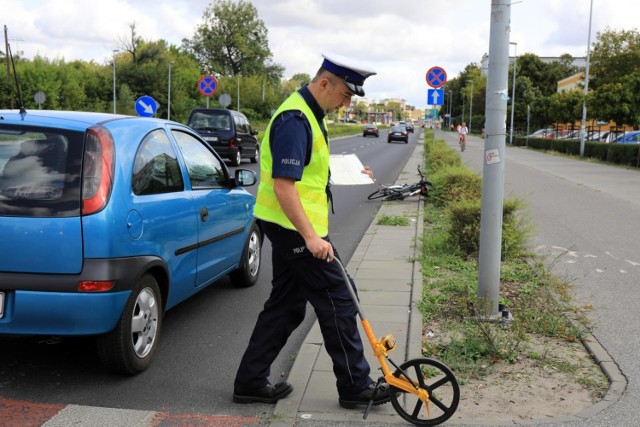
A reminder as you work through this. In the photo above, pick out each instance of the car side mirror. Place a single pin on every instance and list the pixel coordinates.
(245, 177)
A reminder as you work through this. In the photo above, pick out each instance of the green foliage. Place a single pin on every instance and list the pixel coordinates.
(464, 340)
(393, 220)
(232, 40)
(453, 184)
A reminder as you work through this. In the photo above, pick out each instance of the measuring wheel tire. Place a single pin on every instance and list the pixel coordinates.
(438, 380)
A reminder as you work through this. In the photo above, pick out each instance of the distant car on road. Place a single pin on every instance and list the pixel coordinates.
(108, 221)
(398, 133)
(370, 129)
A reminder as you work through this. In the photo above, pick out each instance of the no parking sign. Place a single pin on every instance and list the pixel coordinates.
(208, 85)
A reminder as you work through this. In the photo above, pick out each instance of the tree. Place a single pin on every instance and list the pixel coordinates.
(614, 55)
(232, 40)
(131, 44)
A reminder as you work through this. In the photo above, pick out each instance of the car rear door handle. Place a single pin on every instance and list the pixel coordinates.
(204, 214)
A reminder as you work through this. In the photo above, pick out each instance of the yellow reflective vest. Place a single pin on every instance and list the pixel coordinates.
(312, 186)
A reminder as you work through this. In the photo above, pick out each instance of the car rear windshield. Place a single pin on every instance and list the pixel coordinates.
(39, 172)
(210, 120)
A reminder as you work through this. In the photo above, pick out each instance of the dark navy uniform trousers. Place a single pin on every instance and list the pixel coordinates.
(299, 278)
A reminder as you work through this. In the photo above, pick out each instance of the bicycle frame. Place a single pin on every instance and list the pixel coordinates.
(400, 192)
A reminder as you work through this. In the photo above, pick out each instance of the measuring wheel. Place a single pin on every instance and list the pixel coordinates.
(438, 380)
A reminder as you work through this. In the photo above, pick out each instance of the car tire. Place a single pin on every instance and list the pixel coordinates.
(247, 274)
(235, 160)
(126, 350)
(256, 155)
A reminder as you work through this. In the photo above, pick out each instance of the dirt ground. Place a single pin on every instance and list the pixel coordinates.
(552, 385)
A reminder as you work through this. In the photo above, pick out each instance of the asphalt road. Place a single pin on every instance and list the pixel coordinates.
(203, 338)
(587, 219)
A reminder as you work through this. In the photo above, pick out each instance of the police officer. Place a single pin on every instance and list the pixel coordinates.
(293, 207)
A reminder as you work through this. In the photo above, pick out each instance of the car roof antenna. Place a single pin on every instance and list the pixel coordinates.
(15, 75)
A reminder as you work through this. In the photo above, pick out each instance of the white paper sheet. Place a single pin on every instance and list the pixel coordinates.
(346, 169)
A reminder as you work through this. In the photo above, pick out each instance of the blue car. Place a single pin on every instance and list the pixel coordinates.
(632, 137)
(107, 221)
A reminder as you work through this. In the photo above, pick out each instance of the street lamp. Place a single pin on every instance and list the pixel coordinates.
(114, 79)
(169, 94)
(513, 91)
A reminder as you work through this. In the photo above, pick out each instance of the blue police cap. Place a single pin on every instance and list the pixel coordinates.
(350, 71)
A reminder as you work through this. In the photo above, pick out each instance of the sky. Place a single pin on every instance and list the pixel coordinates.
(401, 40)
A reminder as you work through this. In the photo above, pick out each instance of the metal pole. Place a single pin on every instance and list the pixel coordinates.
(513, 91)
(6, 56)
(586, 86)
(450, 106)
(494, 159)
(528, 114)
(114, 80)
(238, 101)
(462, 119)
(169, 94)
(470, 107)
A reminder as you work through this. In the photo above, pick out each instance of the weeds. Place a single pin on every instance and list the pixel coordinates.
(540, 303)
(393, 220)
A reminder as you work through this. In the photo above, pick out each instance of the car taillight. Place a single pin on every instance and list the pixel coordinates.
(233, 143)
(95, 285)
(97, 169)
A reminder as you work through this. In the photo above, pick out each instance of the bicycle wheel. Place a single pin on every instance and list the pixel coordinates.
(440, 383)
(378, 194)
(393, 195)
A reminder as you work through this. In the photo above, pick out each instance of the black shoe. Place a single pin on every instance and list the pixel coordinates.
(363, 398)
(267, 394)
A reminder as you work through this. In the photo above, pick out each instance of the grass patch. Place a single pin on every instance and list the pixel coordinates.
(455, 318)
(393, 220)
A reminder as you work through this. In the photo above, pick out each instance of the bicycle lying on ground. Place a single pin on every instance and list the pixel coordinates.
(400, 192)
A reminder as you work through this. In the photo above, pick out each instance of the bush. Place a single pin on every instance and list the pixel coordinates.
(464, 217)
(454, 183)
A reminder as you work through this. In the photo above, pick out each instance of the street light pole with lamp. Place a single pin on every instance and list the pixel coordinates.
(114, 79)
(169, 93)
(513, 91)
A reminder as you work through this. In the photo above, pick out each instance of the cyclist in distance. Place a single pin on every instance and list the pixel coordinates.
(462, 135)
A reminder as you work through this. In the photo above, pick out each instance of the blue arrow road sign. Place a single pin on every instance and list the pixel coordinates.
(435, 96)
(146, 106)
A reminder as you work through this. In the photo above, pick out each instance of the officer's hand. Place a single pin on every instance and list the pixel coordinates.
(320, 248)
(367, 170)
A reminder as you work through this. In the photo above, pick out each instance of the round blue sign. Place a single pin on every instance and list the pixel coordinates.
(146, 106)
(436, 77)
(207, 85)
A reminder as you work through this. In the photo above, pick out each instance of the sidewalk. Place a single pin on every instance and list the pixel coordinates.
(389, 281)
